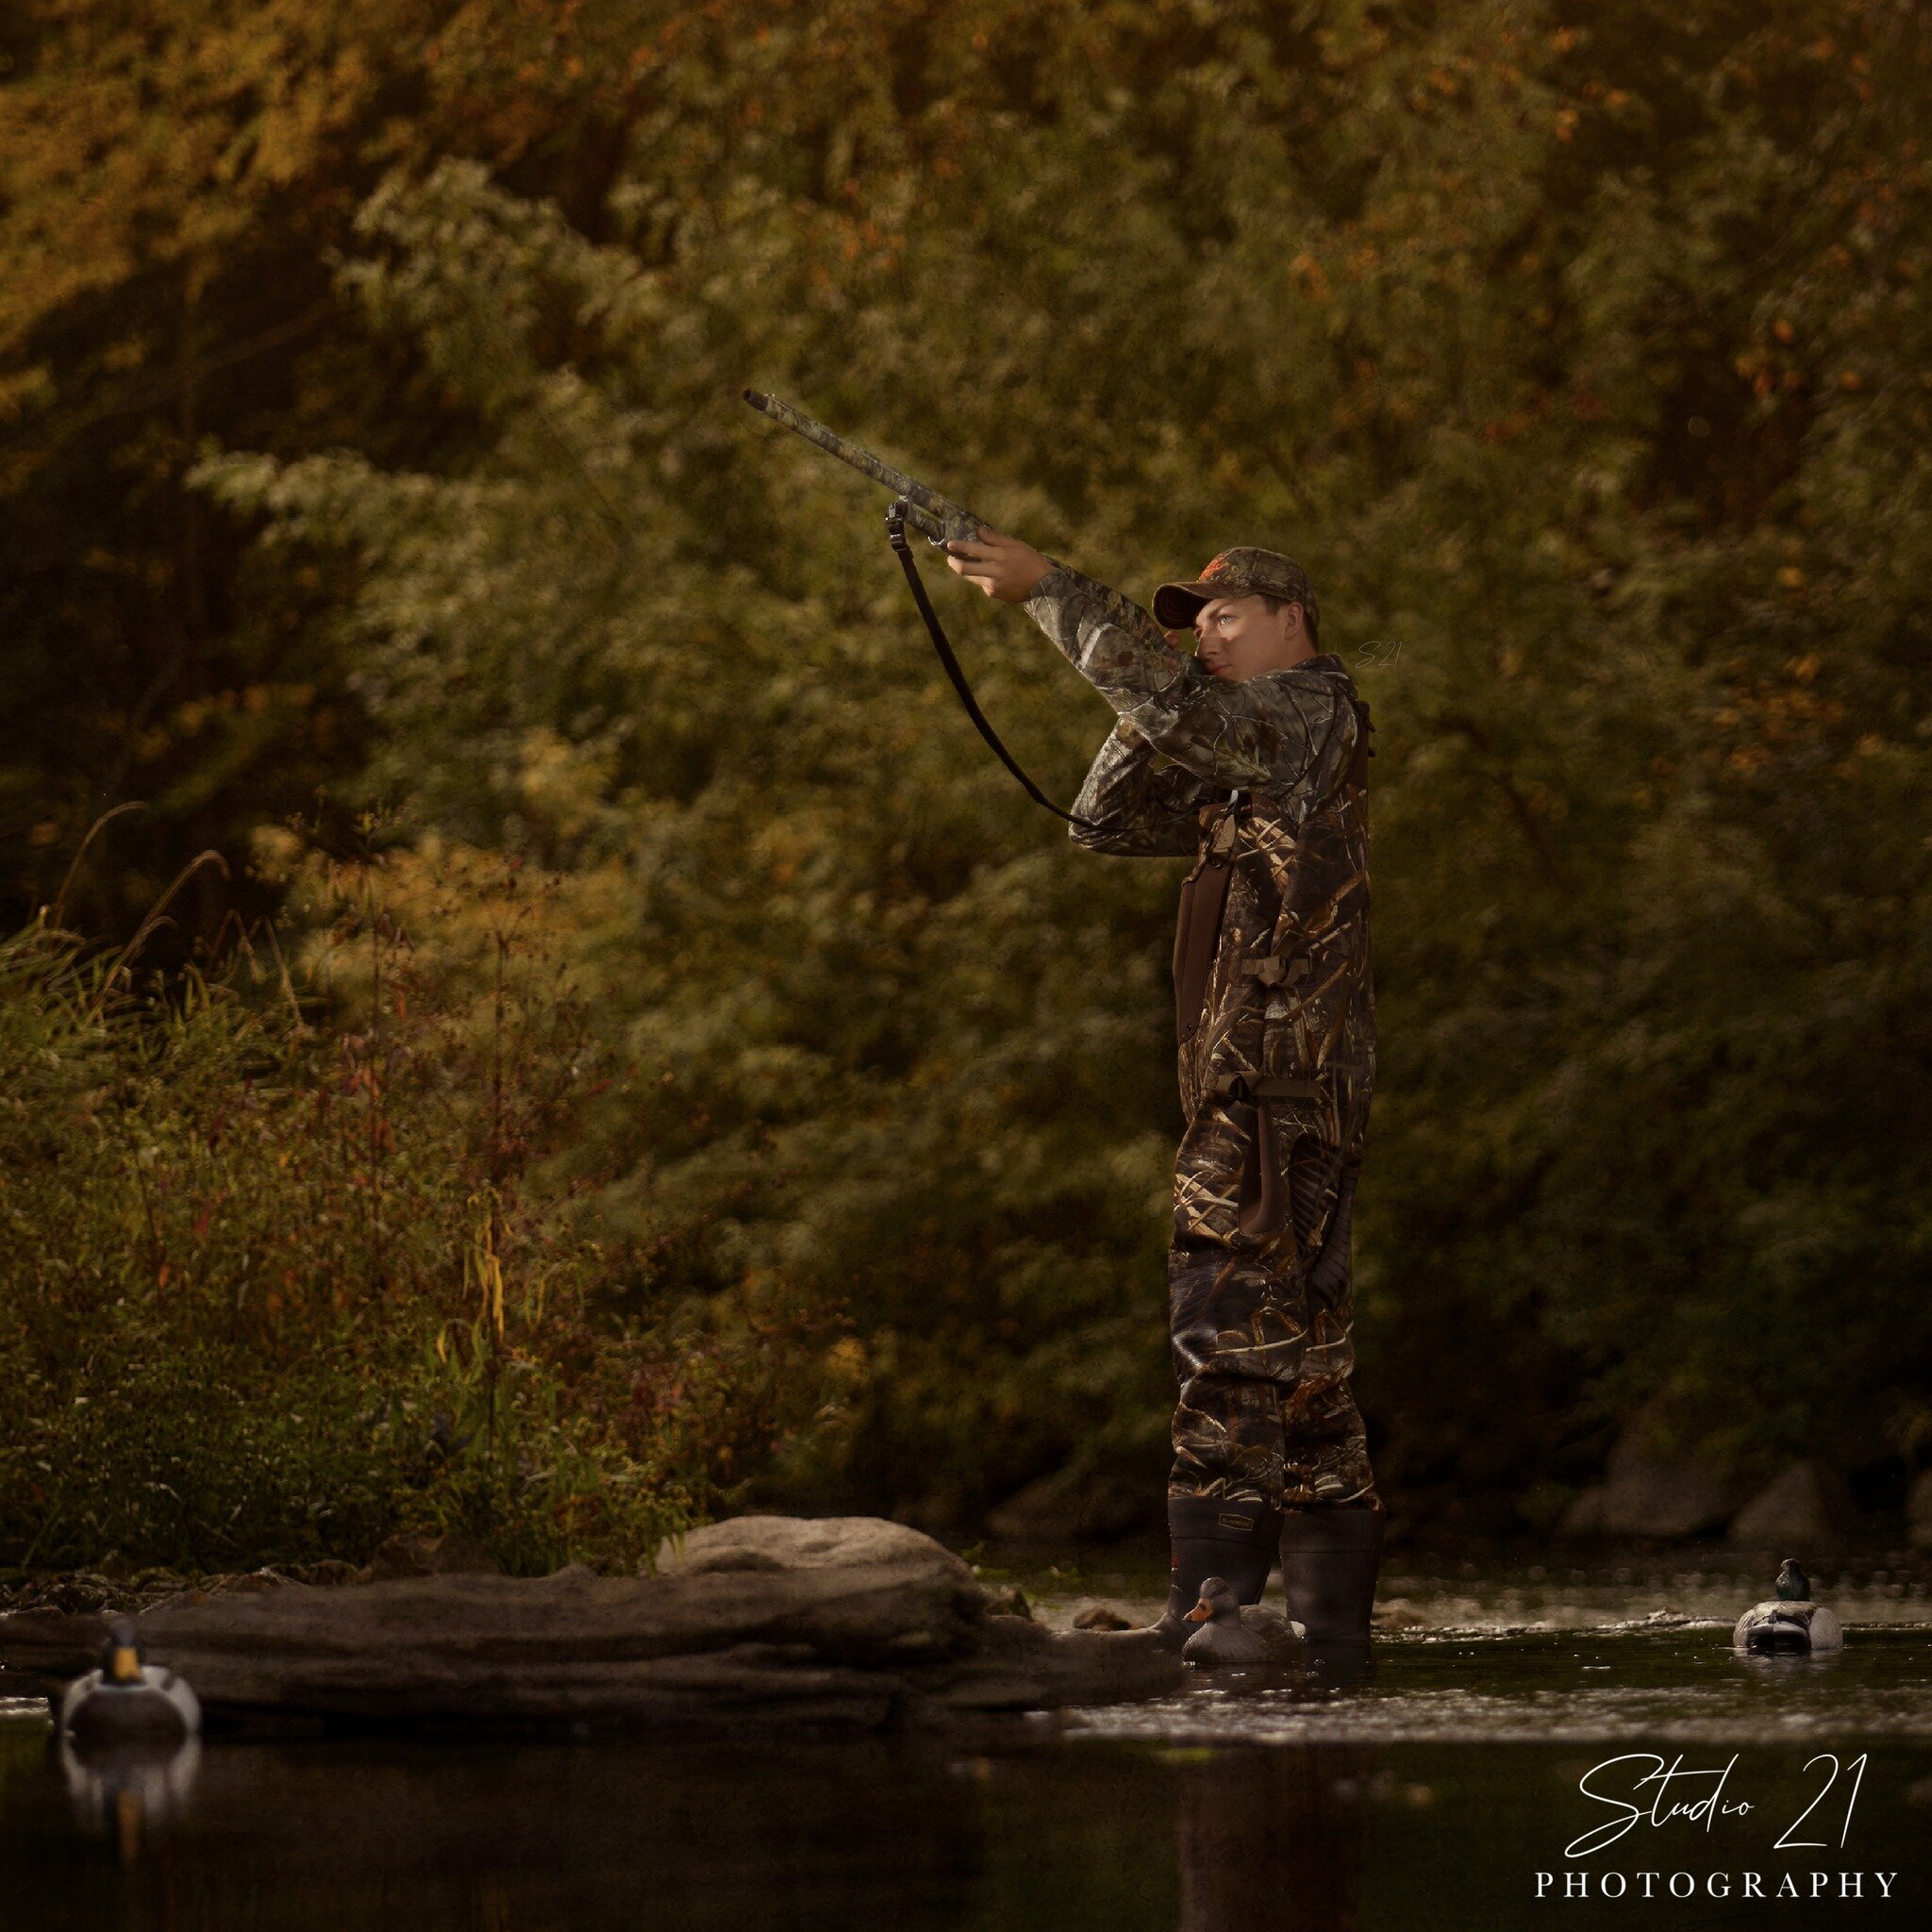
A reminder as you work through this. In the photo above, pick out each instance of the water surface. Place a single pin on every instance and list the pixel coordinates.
(1429, 1795)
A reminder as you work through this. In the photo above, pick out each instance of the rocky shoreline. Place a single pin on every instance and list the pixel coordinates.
(850, 1623)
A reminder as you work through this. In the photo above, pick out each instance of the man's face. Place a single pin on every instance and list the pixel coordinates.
(1241, 638)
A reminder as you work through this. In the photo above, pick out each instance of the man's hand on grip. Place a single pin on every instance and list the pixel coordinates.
(1002, 566)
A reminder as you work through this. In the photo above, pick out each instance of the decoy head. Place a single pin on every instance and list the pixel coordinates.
(1793, 1586)
(1217, 1600)
(121, 1653)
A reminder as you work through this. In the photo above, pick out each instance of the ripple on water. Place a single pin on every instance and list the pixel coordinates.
(1553, 1687)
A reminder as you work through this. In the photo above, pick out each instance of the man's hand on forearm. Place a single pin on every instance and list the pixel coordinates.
(1002, 566)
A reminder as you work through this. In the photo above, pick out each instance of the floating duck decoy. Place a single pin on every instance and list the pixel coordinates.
(1232, 1632)
(126, 1699)
(1789, 1623)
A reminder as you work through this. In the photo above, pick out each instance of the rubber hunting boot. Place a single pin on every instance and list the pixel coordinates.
(1328, 1563)
(1208, 1537)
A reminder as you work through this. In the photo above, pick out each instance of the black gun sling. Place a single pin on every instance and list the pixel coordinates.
(895, 529)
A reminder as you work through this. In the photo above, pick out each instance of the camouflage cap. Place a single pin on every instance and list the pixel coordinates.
(1239, 573)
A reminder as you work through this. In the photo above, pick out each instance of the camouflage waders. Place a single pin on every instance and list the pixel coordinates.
(1266, 790)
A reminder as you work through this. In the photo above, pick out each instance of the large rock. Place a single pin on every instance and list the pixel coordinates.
(770, 1543)
(848, 1622)
(1802, 1508)
(1645, 1495)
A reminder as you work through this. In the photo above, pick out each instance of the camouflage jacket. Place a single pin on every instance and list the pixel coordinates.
(1262, 783)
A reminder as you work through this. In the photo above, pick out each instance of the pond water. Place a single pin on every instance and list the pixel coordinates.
(1430, 1795)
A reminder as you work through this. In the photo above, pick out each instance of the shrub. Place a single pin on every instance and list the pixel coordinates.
(284, 1273)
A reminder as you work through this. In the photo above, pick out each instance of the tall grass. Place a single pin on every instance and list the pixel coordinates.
(287, 1264)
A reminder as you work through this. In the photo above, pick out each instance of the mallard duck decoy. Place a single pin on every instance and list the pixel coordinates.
(1789, 1623)
(126, 1698)
(1232, 1632)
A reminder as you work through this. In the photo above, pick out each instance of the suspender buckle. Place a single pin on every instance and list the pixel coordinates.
(1246, 1090)
(1272, 970)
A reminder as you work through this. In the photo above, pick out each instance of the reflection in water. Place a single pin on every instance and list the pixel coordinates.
(1032, 1832)
(1687, 1684)
(1272, 1839)
(1336, 1666)
(1423, 1798)
(1775, 1665)
(126, 1789)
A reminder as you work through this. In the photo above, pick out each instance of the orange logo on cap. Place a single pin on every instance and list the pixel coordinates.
(1216, 567)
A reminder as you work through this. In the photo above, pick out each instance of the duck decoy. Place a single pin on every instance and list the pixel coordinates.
(1789, 1623)
(1232, 1632)
(126, 1698)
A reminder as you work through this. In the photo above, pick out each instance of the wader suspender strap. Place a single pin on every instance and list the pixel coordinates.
(1197, 930)
(895, 529)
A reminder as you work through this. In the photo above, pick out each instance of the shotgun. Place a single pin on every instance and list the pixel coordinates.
(935, 517)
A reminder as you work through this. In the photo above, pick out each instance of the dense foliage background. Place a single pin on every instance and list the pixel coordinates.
(379, 509)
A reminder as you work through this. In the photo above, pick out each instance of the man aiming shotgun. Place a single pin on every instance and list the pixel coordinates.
(1267, 792)
(1250, 755)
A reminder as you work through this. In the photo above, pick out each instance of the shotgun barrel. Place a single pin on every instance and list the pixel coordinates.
(937, 518)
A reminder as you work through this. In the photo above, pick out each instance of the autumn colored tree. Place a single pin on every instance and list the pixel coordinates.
(174, 178)
(1579, 354)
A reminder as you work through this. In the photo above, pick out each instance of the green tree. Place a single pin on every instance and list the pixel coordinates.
(173, 176)
(1579, 356)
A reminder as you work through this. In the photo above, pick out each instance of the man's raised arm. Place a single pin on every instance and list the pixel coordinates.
(1134, 805)
(1282, 732)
